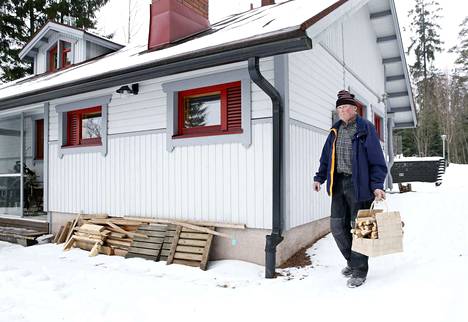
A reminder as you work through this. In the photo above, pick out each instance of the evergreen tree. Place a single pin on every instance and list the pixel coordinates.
(425, 43)
(21, 19)
(195, 114)
(457, 123)
(462, 50)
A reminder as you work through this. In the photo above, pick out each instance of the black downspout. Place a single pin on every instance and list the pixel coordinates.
(275, 238)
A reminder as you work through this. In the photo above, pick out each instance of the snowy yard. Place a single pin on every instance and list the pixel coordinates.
(428, 282)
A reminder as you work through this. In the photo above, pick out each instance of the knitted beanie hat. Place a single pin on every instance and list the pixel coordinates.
(345, 97)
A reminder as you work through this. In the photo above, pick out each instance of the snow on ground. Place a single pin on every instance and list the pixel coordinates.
(428, 282)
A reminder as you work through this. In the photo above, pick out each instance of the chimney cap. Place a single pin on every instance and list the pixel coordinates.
(267, 2)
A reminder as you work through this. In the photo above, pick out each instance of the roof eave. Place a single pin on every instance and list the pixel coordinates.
(281, 43)
(102, 42)
(403, 60)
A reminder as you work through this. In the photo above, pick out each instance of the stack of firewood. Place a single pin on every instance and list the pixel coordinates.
(366, 228)
(109, 236)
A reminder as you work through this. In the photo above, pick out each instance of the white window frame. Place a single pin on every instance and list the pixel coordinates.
(63, 109)
(172, 88)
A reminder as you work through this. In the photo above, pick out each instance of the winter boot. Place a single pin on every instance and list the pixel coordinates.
(347, 271)
(355, 282)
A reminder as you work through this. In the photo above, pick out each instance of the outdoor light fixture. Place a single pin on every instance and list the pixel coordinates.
(127, 90)
(382, 98)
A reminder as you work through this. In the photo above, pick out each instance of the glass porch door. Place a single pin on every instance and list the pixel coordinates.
(11, 172)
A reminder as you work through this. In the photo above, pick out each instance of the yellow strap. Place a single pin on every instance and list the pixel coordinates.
(332, 169)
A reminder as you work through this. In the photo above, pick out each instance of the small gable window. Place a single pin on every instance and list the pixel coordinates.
(60, 56)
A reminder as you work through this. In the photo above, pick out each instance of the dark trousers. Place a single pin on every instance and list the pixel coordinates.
(344, 209)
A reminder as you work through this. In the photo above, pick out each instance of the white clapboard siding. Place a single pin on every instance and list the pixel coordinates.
(314, 79)
(362, 54)
(147, 110)
(318, 74)
(332, 38)
(94, 50)
(306, 205)
(138, 177)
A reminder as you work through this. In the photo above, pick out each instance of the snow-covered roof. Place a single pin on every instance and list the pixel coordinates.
(258, 26)
(254, 24)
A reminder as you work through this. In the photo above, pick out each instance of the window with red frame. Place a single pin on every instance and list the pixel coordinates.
(53, 59)
(212, 110)
(361, 109)
(378, 123)
(65, 56)
(84, 127)
(39, 153)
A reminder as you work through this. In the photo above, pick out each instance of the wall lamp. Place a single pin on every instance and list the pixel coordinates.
(128, 90)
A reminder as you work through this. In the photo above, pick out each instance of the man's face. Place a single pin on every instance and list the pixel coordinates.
(346, 112)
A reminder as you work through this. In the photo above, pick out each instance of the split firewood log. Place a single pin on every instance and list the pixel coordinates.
(365, 232)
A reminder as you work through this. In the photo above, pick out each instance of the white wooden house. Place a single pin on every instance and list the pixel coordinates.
(222, 122)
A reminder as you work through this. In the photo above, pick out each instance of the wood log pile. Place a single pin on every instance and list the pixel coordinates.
(109, 236)
(366, 228)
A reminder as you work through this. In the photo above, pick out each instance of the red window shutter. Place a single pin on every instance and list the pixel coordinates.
(234, 107)
(378, 126)
(53, 59)
(74, 128)
(361, 109)
(39, 139)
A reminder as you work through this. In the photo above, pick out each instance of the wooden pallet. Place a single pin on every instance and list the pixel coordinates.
(167, 244)
(190, 247)
(148, 248)
(21, 236)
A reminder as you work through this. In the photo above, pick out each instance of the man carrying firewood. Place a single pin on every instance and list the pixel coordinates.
(354, 167)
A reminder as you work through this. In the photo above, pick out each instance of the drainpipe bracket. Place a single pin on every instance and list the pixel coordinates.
(272, 241)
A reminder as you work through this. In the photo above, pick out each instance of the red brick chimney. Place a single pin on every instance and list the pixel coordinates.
(172, 20)
(267, 2)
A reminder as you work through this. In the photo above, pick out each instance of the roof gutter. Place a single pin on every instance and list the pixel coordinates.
(275, 238)
(286, 42)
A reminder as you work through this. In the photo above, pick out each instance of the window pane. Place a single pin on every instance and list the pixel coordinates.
(203, 111)
(91, 125)
(10, 145)
(53, 58)
(10, 196)
(67, 54)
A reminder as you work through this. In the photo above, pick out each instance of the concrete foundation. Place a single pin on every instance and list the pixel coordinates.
(58, 219)
(250, 243)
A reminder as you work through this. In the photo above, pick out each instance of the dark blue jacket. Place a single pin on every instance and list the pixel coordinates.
(369, 168)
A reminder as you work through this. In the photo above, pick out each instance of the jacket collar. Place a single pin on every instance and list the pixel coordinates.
(361, 127)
